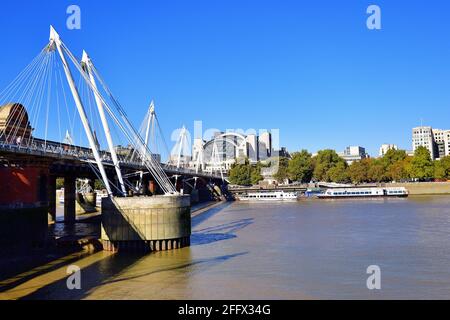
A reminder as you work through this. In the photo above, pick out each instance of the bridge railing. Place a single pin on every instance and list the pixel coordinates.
(43, 147)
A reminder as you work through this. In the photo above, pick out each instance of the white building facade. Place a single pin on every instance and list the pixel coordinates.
(221, 152)
(423, 136)
(353, 153)
(437, 141)
(385, 148)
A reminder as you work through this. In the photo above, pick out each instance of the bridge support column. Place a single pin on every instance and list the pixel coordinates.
(146, 223)
(69, 199)
(51, 196)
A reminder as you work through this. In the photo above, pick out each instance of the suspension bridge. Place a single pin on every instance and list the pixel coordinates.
(59, 118)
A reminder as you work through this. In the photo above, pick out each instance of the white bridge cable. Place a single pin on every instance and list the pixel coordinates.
(149, 161)
(32, 102)
(150, 130)
(33, 89)
(127, 129)
(33, 111)
(37, 73)
(99, 177)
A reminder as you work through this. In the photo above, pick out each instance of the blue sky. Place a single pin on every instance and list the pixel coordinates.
(310, 68)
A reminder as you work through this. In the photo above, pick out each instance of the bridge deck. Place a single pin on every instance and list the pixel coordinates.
(61, 152)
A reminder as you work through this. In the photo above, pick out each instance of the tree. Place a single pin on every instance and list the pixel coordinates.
(399, 170)
(376, 171)
(339, 173)
(282, 174)
(421, 164)
(59, 183)
(357, 171)
(255, 174)
(324, 161)
(98, 185)
(442, 168)
(300, 167)
(392, 156)
(240, 174)
(244, 173)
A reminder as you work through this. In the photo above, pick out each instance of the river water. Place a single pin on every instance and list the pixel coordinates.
(314, 249)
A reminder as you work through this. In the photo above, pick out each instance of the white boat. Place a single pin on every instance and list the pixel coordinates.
(363, 193)
(269, 196)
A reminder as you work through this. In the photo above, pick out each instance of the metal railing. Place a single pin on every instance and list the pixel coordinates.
(45, 148)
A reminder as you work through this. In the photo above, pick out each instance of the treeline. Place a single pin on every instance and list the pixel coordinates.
(245, 174)
(395, 165)
(328, 166)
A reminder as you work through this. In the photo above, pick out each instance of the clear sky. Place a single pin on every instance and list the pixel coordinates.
(309, 68)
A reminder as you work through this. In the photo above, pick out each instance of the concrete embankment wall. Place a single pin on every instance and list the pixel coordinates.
(423, 188)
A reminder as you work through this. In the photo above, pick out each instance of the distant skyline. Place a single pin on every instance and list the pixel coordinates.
(311, 69)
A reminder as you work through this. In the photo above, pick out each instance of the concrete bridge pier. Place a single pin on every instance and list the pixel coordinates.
(69, 199)
(146, 223)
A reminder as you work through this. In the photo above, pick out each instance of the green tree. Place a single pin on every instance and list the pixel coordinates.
(243, 173)
(300, 167)
(240, 174)
(324, 161)
(59, 183)
(255, 174)
(421, 164)
(392, 156)
(339, 173)
(442, 168)
(399, 170)
(98, 185)
(376, 171)
(357, 171)
(282, 173)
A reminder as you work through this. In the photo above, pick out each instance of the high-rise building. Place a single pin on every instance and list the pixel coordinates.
(386, 147)
(423, 136)
(252, 148)
(265, 145)
(437, 141)
(441, 140)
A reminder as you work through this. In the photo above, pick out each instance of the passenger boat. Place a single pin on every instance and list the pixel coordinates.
(313, 192)
(269, 196)
(363, 193)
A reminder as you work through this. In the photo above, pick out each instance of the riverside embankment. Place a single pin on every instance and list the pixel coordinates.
(424, 188)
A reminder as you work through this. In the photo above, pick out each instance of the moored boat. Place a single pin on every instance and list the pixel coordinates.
(363, 193)
(269, 196)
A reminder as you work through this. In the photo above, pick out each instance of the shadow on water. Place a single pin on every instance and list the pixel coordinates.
(108, 270)
(208, 214)
(35, 266)
(219, 233)
(188, 266)
(18, 266)
(110, 266)
(92, 276)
